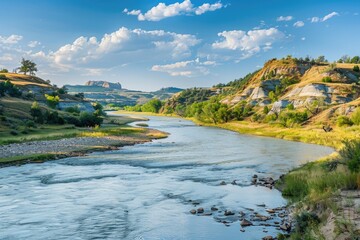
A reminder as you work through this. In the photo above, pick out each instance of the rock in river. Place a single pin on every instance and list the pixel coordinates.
(245, 223)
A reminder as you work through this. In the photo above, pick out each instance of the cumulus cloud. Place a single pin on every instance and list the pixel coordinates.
(325, 18)
(284, 18)
(192, 68)
(249, 42)
(119, 46)
(299, 24)
(12, 39)
(162, 10)
(33, 44)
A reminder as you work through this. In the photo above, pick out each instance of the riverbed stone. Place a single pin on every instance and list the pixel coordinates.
(245, 223)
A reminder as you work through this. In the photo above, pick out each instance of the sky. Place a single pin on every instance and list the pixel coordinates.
(147, 44)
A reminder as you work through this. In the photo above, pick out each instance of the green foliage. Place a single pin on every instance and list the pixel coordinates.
(36, 113)
(356, 68)
(273, 96)
(326, 79)
(350, 154)
(52, 101)
(136, 108)
(355, 59)
(154, 106)
(53, 117)
(266, 110)
(27, 66)
(4, 70)
(89, 120)
(343, 121)
(8, 88)
(3, 77)
(80, 95)
(98, 109)
(290, 118)
(74, 109)
(290, 107)
(241, 83)
(355, 117)
(306, 220)
(62, 90)
(270, 118)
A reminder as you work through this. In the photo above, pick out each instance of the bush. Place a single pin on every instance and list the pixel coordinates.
(89, 120)
(356, 68)
(355, 117)
(289, 118)
(4, 70)
(266, 110)
(36, 113)
(3, 77)
(270, 118)
(343, 121)
(54, 118)
(9, 88)
(72, 120)
(327, 79)
(306, 220)
(74, 109)
(52, 101)
(350, 154)
(290, 106)
(14, 132)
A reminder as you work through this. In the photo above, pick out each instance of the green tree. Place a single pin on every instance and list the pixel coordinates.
(356, 68)
(355, 117)
(154, 106)
(36, 113)
(52, 101)
(28, 66)
(355, 59)
(266, 110)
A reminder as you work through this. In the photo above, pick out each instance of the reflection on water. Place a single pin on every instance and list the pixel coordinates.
(146, 191)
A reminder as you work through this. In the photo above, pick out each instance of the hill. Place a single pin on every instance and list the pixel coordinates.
(321, 91)
(113, 95)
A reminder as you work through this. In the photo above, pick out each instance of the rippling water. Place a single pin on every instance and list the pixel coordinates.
(146, 191)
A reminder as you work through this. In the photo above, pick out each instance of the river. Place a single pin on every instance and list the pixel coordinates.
(146, 191)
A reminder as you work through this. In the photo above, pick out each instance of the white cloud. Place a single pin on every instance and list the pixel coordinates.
(303, 38)
(249, 42)
(299, 24)
(120, 46)
(325, 18)
(192, 68)
(162, 10)
(33, 44)
(315, 19)
(284, 18)
(12, 39)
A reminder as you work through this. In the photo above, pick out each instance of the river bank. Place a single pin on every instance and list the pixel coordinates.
(111, 136)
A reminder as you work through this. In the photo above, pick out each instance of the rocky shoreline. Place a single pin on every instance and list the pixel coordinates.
(68, 147)
(279, 218)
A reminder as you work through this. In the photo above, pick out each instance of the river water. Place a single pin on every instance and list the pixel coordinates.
(146, 191)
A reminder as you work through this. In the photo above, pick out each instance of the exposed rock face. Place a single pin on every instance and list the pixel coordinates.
(104, 84)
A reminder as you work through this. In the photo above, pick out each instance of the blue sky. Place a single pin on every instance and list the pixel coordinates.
(147, 44)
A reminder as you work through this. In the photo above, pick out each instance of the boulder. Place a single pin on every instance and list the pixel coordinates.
(245, 223)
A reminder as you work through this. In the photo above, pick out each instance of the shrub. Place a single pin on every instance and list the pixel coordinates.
(74, 109)
(306, 220)
(356, 68)
(289, 118)
(290, 106)
(350, 154)
(54, 118)
(355, 117)
(52, 101)
(326, 79)
(72, 120)
(266, 110)
(270, 118)
(89, 120)
(36, 113)
(3, 77)
(344, 121)
(14, 132)
(4, 70)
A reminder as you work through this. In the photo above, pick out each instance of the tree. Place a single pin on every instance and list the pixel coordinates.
(36, 113)
(321, 59)
(355, 59)
(52, 101)
(28, 66)
(356, 68)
